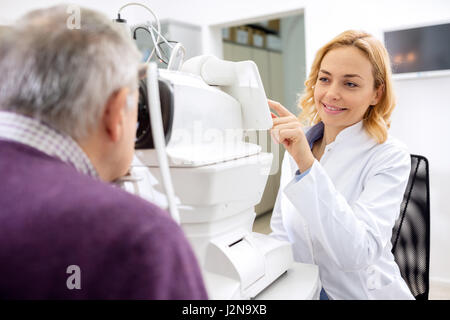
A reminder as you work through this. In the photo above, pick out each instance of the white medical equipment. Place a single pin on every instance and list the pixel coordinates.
(177, 51)
(217, 177)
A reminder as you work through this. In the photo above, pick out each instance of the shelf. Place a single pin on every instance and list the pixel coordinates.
(264, 29)
(249, 46)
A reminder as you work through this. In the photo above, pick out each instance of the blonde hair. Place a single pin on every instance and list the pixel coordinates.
(376, 120)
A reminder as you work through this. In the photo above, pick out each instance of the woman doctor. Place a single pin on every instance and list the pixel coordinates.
(343, 180)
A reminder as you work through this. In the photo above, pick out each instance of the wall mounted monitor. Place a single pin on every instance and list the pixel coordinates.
(419, 49)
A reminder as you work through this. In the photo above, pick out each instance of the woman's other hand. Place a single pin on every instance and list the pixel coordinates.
(288, 130)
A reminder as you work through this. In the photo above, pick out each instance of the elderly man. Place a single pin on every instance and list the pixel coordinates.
(68, 112)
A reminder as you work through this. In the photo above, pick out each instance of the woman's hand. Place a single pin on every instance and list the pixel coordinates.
(287, 130)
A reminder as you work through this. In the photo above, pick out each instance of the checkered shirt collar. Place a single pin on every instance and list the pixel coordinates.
(36, 134)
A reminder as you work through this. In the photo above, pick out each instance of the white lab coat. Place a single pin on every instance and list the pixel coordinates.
(340, 215)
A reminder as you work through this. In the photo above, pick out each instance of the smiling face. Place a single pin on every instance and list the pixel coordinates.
(345, 87)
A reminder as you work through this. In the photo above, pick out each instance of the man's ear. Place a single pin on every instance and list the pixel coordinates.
(113, 115)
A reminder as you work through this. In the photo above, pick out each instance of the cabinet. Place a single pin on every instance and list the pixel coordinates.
(270, 66)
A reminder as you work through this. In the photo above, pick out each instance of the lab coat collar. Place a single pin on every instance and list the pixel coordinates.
(315, 132)
(352, 135)
(353, 130)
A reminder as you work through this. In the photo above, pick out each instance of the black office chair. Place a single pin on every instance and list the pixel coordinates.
(411, 233)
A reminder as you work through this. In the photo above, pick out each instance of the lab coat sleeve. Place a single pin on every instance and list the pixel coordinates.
(353, 236)
(299, 176)
(276, 221)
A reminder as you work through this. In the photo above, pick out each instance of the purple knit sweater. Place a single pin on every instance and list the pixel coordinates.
(52, 217)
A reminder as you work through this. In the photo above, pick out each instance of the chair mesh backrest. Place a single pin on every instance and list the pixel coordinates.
(411, 233)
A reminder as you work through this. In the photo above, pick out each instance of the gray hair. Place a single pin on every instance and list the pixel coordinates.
(3, 30)
(65, 76)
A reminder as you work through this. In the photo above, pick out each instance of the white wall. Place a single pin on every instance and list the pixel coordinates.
(420, 119)
(11, 10)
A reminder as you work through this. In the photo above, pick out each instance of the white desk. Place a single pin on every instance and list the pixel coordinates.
(301, 282)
